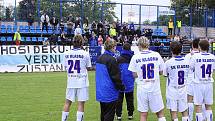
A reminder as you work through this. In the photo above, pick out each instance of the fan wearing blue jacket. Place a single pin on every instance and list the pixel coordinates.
(128, 80)
(108, 82)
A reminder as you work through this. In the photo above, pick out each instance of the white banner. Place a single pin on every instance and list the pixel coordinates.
(39, 58)
(167, 12)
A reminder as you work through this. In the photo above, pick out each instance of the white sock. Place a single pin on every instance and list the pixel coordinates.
(209, 115)
(203, 111)
(65, 116)
(80, 116)
(162, 119)
(190, 110)
(185, 118)
(175, 119)
(199, 117)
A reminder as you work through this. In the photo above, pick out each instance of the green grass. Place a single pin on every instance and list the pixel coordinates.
(41, 96)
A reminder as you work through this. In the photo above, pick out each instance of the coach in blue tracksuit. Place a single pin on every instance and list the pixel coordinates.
(108, 81)
(128, 80)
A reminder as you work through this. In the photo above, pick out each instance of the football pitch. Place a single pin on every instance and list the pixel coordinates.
(41, 96)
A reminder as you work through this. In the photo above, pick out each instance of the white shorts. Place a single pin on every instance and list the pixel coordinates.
(203, 93)
(149, 100)
(81, 94)
(190, 89)
(177, 105)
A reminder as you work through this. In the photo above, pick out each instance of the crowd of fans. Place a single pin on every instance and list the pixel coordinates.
(95, 33)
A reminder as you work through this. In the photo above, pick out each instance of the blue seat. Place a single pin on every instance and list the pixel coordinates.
(44, 32)
(32, 29)
(3, 29)
(22, 29)
(23, 38)
(40, 39)
(38, 30)
(28, 39)
(50, 31)
(27, 29)
(9, 29)
(9, 39)
(34, 39)
(3, 39)
(14, 28)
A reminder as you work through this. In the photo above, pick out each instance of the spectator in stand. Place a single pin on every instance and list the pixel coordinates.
(179, 24)
(46, 41)
(78, 30)
(100, 40)
(118, 26)
(45, 21)
(138, 32)
(77, 22)
(30, 20)
(17, 37)
(54, 23)
(170, 27)
(69, 25)
(61, 26)
(125, 29)
(86, 21)
(107, 27)
(93, 27)
(135, 40)
(99, 26)
(93, 40)
(131, 29)
(112, 33)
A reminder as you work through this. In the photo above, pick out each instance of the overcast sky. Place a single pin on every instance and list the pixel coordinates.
(146, 11)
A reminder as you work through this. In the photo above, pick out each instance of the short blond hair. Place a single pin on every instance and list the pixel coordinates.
(109, 44)
(143, 42)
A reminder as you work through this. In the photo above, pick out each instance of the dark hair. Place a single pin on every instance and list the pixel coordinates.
(77, 41)
(195, 43)
(126, 46)
(176, 47)
(204, 45)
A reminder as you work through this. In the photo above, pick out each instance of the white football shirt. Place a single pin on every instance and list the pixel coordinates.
(203, 65)
(176, 69)
(191, 72)
(147, 65)
(76, 62)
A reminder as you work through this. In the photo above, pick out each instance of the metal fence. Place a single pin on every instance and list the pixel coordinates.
(93, 10)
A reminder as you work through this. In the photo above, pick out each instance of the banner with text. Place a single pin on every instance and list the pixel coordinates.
(37, 58)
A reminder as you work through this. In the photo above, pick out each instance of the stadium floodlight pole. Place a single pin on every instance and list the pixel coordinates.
(102, 11)
(157, 16)
(82, 14)
(61, 5)
(191, 21)
(213, 18)
(121, 12)
(15, 13)
(140, 17)
(206, 22)
(38, 10)
(174, 20)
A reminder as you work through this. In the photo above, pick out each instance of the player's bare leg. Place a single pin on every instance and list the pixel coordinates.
(80, 112)
(190, 106)
(174, 115)
(199, 115)
(209, 113)
(65, 112)
(160, 115)
(185, 116)
(143, 116)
